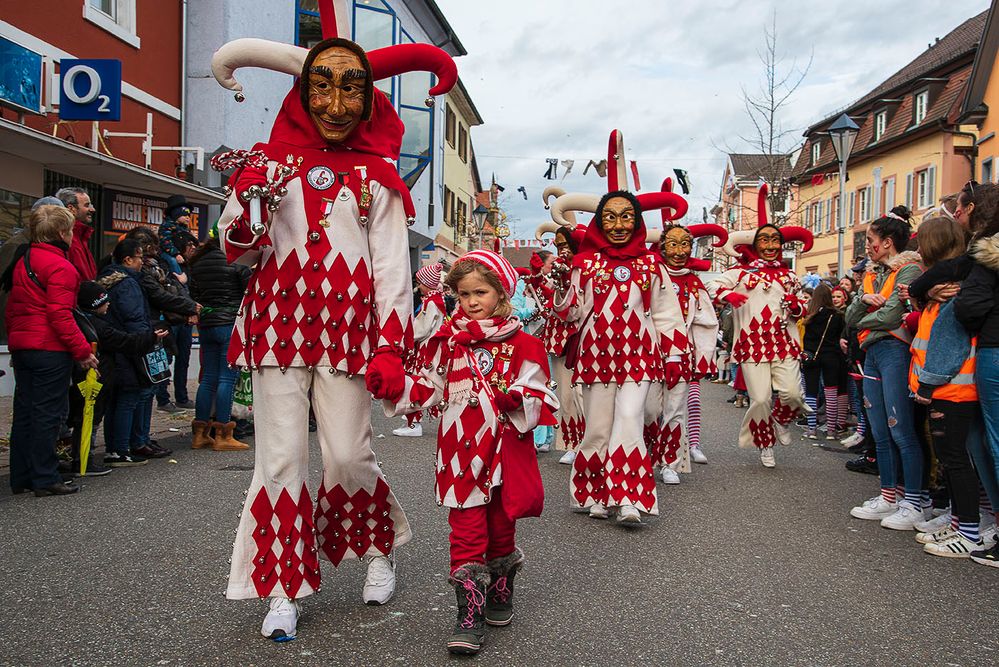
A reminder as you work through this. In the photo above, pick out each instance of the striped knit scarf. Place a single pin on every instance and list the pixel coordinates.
(467, 333)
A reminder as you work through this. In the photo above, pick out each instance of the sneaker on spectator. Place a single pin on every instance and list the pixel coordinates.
(935, 524)
(956, 547)
(568, 457)
(116, 460)
(810, 434)
(989, 535)
(863, 464)
(669, 476)
(988, 556)
(697, 456)
(169, 407)
(185, 405)
(875, 509)
(941, 535)
(905, 518)
(543, 447)
(94, 468)
(852, 441)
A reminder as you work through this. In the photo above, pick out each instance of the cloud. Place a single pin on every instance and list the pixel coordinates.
(551, 78)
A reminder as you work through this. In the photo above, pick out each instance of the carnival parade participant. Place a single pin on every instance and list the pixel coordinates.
(631, 335)
(764, 295)
(425, 324)
(493, 381)
(678, 439)
(321, 212)
(879, 316)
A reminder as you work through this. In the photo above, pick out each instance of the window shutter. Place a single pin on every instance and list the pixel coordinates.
(850, 218)
(829, 214)
(890, 194)
(876, 191)
(931, 186)
(908, 191)
(819, 218)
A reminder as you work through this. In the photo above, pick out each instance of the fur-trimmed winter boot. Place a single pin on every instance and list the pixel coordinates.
(200, 435)
(224, 440)
(470, 584)
(499, 597)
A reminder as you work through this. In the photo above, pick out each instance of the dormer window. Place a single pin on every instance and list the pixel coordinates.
(816, 152)
(880, 123)
(922, 105)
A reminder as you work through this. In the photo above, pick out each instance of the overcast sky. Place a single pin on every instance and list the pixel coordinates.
(551, 78)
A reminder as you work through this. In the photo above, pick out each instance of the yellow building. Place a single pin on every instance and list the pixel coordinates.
(911, 149)
(983, 95)
(461, 175)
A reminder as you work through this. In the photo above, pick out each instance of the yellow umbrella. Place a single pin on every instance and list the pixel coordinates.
(90, 387)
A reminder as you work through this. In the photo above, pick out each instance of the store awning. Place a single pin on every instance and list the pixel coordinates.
(67, 158)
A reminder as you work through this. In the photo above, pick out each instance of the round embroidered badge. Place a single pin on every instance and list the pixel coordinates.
(484, 359)
(622, 274)
(320, 177)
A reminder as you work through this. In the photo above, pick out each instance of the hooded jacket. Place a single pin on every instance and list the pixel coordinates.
(79, 251)
(892, 314)
(218, 286)
(128, 312)
(977, 304)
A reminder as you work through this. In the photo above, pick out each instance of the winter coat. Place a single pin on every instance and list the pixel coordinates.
(41, 317)
(891, 315)
(218, 286)
(114, 346)
(129, 312)
(977, 305)
(8, 251)
(813, 333)
(167, 298)
(79, 251)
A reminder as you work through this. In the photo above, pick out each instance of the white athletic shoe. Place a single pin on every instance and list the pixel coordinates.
(956, 547)
(852, 440)
(941, 535)
(669, 476)
(935, 524)
(767, 457)
(414, 431)
(989, 535)
(905, 518)
(568, 457)
(628, 514)
(783, 433)
(697, 456)
(875, 509)
(598, 511)
(281, 621)
(379, 585)
(545, 447)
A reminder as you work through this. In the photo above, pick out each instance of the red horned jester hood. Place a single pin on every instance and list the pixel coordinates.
(740, 244)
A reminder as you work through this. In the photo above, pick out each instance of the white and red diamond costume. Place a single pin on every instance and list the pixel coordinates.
(329, 297)
(427, 322)
(670, 437)
(631, 335)
(766, 343)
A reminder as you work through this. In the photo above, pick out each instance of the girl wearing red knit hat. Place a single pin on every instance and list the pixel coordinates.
(426, 322)
(491, 381)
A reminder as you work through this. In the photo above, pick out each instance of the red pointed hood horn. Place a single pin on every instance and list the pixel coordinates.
(709, 229)
(403, 58)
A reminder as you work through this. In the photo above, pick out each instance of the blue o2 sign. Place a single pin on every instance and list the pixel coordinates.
(90, 89)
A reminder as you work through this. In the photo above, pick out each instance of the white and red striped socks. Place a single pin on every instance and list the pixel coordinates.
(832, 410)
(694, 414)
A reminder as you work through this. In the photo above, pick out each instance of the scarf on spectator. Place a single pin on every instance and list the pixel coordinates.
(465, 333)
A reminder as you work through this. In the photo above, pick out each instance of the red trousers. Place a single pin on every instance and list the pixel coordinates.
(480, 534)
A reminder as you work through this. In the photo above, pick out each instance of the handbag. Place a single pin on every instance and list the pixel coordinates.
(809, 358)
(156, 364)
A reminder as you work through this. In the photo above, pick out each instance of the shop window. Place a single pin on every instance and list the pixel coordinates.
(308, 31)
(114, 16)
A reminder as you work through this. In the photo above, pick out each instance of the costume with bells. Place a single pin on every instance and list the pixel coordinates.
(329, 299)
(491, 381)
(631, 335)
(675, 413)
(432, 314)
(766, 344)
(556, 336)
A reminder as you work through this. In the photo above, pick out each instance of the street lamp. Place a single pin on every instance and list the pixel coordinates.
(479, 214)
(842, 133)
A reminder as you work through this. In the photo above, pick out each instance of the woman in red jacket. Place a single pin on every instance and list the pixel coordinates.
(44, 341)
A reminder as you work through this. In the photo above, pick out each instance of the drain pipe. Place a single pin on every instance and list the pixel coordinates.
(973, 155)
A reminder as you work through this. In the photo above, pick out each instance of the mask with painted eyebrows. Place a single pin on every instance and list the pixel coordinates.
(677, 244)
(338, 92)
(768, 243)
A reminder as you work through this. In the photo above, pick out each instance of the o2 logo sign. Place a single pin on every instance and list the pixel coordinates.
(90, 89)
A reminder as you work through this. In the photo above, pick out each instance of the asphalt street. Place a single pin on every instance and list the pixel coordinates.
(745, 566)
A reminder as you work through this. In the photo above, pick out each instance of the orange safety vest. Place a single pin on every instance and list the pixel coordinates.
(961, 388)
(900, 332)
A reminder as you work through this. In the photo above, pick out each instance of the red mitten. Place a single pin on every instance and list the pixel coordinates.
(508, 402)
(536, 263)
(674, 373)
(795, 306)
(736, 299)
(385, 377)
(242, 181)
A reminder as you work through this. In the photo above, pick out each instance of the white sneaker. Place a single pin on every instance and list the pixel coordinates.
(935, 524)
(989, 535)
(414, 431)
(568, 457)
(546, 447)
(379, 585)
(281, 621)
(956, 547)
(669, 476)
(875, 509)
(904, 519)
(783, 433)
(697, 456)
(941, 535)
(598, 511)
(767, 457)
(628, 514)
(852, 440)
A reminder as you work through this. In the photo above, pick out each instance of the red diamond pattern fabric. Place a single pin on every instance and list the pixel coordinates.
(556, 334)
(572, 430)
(630, 479)
(654, 442)
(285, 540)
(588, 480)
(783, 414)
(672, 438)
(763, 433)
(354, 522)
